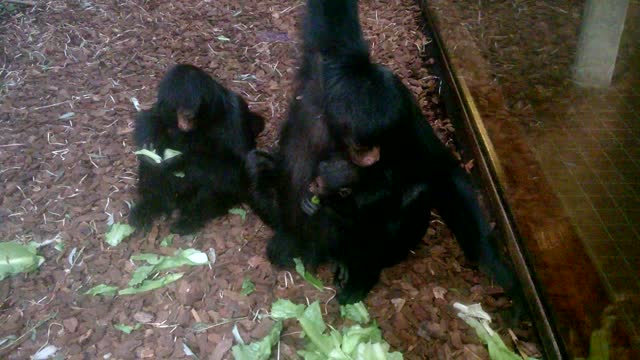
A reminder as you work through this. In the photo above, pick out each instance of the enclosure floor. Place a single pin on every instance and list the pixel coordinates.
(586, 142)
(588, 145)
(73, 74)
(589, 150)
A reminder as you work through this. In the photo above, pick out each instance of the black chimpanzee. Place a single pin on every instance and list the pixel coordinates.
(353, 125)
(213, 129)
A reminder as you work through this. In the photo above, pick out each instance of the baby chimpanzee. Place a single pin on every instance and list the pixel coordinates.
(213, 129)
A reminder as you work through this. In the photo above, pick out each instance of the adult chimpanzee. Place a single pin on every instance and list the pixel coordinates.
(213, 129)
(354, 125)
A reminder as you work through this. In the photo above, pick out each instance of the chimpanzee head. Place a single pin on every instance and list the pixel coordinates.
(363, 106)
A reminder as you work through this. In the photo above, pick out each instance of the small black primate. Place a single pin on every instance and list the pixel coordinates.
(213, 129)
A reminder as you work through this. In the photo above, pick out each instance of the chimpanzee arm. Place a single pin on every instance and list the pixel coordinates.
(261, 170)
(457, 203)
(146, 130)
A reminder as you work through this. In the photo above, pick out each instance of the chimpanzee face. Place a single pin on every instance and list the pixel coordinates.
(186, 120)
(364, 156)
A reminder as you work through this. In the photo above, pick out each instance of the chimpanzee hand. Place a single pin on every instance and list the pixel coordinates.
(334, 177)
(174, 163)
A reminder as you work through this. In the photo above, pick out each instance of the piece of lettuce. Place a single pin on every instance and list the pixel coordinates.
(284, 309)
(150, 154)
(307, 275)
(118, 232)
(102, 289)
(324, 343)
(159, 263)
(167, 240)
(127, 329)
(240, 212)
(259, 350)
(247, 287)
(16, 258)
(148, 285)
(356, 312)
(479, 320)
(169, 153)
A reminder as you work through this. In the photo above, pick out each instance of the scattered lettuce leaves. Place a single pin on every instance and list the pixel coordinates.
(153, 155)
(356, 335)
(239, 211)
(156, 158)
(307, 276)
(59, 247)
(167, 240)
(149, 285)
(247, 287)
(118, 232)
(375, 351)
(169, 153)
(127, 329)
(283, 309)
(356, 312)
(141, 274)
(313, 326)
(157, 263)
(16, 258)
(180, 257)
(479, 320)
(150, 154)
(102, 289)
(141, 279)
(259, 350)
(324, 343)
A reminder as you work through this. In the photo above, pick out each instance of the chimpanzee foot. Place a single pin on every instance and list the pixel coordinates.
(279, 251)
(141, 218)
(358, 281)
(185, 226)
(352, 294)
(340, 275)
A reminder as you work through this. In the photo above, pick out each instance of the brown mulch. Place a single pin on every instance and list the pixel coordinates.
(70, 71)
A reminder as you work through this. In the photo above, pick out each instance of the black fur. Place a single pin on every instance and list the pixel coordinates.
(343, 98)
(213, 151)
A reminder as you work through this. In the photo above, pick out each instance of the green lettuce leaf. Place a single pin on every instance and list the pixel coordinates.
(247, 287)
(16, 258)
(259, 350)
(356, 312)
(284, 309)
(118, 232)
(102, 289)
(308, 276)
(149, 285)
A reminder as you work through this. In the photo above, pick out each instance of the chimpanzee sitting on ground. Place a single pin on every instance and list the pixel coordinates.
(346, 106)
(213, 129)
